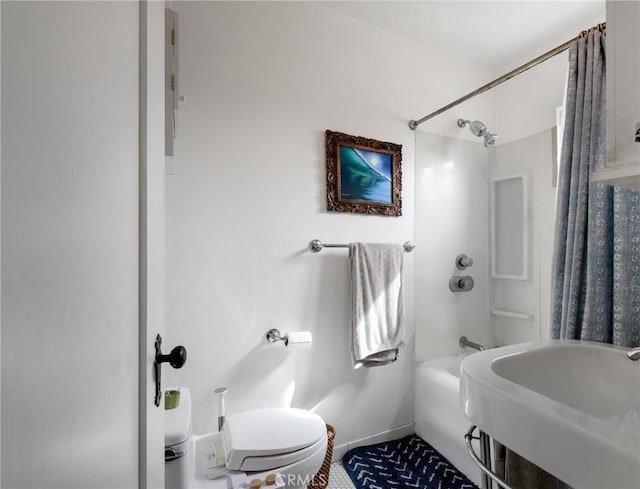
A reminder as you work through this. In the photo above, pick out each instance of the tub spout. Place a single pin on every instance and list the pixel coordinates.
(465, 343)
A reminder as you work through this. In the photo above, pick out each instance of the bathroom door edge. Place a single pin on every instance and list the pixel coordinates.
(151, 239)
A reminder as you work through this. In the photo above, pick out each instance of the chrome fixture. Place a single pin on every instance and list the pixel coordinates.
(484, 460)
(171, 453)
(634, 354)
(220, 392)
(463, 261)
(466, 343)
(461, 284)
(478, 128)
(274, 335)
(316, 245)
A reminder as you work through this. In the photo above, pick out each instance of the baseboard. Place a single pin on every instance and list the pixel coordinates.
(392, 434)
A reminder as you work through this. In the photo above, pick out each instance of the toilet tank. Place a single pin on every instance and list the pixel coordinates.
(178, 443)
(177, 421)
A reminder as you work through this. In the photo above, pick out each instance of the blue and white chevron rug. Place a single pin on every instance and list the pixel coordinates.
(401, 464)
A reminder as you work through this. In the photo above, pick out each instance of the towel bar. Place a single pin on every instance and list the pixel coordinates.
(483, 465)
(317, 245)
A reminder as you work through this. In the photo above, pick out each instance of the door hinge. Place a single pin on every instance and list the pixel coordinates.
(173, 37)
(173, 83)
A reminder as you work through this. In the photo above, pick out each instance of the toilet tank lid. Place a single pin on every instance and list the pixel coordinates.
(177, 421)
(271, 431)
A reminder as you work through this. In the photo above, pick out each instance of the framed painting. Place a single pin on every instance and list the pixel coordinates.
(363, 175)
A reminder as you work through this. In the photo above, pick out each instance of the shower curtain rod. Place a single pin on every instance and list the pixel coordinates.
(521, 69)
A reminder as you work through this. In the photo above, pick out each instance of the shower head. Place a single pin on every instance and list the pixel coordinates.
(490, 139)
(478, 128)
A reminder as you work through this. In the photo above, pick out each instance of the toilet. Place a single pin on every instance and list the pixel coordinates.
(287, 443)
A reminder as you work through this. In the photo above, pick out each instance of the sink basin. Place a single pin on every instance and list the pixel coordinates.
(570, 407)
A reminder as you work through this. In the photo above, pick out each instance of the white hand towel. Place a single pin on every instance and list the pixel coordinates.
(376, 300)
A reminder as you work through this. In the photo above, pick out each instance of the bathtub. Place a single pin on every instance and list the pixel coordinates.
(439, 419)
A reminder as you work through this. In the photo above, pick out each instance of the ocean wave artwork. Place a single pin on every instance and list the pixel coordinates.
(365, 175)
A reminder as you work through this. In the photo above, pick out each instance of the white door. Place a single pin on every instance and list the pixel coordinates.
(82, 246)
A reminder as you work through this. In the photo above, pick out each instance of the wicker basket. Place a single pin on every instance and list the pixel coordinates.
(321, 479)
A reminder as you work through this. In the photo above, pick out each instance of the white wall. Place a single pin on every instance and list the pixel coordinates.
(525, 105)
(451, 218)
(262, 82)
(69, 244)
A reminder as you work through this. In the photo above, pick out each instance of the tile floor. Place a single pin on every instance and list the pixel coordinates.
(338, 477)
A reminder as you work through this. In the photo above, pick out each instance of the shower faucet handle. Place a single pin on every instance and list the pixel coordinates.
(461, 284)
(463, 261)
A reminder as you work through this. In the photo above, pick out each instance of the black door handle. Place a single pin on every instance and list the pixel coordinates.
(177, 358)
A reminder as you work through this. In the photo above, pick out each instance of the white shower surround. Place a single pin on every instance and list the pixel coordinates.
(452, 201)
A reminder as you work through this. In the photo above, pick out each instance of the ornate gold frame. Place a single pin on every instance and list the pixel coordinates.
(338, 200)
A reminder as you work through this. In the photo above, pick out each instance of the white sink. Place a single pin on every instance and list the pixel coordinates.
(570, 407)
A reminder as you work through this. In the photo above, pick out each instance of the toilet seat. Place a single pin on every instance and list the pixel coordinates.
(255, 463)
(265, 439)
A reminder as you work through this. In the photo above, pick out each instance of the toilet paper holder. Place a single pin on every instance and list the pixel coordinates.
(273, 335)
(293, 337)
